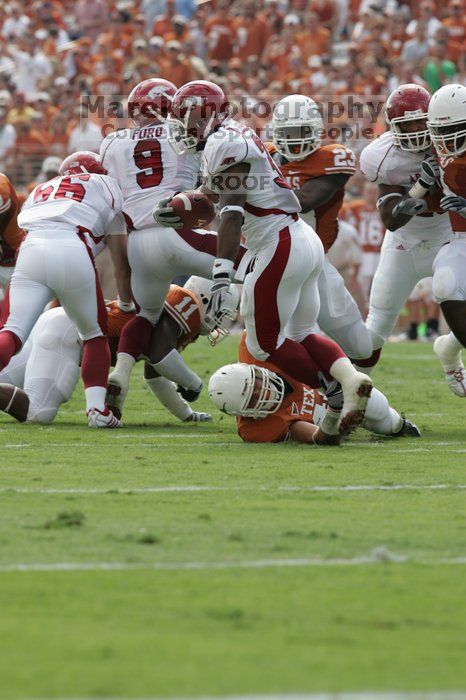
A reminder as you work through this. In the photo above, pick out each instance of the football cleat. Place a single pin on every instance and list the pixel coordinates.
(407, 429)
(456, 380)
(102, 419)
(356, 394)
(455, 373)
(117, 388)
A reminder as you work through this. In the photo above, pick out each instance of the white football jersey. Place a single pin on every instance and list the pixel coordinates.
(271, 204)
(386, 164)
(147, 170)
(85, 204)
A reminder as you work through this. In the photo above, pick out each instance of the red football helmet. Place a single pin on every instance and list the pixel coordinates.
(198, 109)
(150, 100)
(408, 104)
(82, 162)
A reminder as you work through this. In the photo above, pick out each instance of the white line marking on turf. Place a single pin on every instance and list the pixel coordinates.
(379, 556)
(362, 695)
(115, 490)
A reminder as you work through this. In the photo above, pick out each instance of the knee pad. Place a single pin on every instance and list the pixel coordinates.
(445, 286)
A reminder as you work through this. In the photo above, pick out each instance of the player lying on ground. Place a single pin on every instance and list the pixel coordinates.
(446, 121)
(43, 376)
(272, 406)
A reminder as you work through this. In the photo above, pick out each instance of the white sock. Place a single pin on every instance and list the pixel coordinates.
(95, 397)
(342, 370)
(451, 349)
(165, 391)
(173, 367)
(124, 364)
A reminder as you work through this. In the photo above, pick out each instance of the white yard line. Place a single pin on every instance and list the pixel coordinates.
(378, 556)
(361, 695)
(115, 490)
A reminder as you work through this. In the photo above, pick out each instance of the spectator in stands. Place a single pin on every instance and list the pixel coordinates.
(417, 48)
(427, 18)
(16, 23)
(86, 135)
(91, 17)
(7, 141)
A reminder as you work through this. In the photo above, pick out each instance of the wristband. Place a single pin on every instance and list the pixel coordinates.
(418, 190)
(126, 306)
(232, 207)
(223, 268)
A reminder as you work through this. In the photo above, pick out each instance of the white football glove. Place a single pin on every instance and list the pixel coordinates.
(455, 203)
(198, 417)
(164, 216)
(430, 172)
(410, 207)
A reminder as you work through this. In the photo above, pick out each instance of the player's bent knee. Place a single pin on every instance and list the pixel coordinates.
(445, 286)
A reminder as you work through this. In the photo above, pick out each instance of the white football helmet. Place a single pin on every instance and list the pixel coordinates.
(246, 390)
(215, 331)
(297, 127)
(446, 119)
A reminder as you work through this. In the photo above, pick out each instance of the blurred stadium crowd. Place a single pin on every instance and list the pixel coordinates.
(53, 52)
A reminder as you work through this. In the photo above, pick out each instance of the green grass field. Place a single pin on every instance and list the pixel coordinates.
(172, 560)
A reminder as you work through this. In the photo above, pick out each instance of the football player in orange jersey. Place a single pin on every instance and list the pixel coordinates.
(43, 376)
(10, 233)
(318, 175)
(273, 407)
(446, 121)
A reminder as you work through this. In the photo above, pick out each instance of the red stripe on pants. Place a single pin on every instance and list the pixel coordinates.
(266, 314)
(5, 306)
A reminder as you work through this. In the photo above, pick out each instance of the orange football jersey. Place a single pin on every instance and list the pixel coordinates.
(331, 159)
(183, 307)
(10, 233)
(453, 175)
(367, 222)
(301, 404)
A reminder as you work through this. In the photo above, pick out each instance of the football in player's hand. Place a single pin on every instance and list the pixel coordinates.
(194, 208)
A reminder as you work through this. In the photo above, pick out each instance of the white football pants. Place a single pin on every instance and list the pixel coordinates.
(47, 367)
(53, 264)
(280, 290)
(398, 272)
(159, 254)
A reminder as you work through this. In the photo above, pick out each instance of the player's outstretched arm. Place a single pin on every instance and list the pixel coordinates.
(318, 191)
(301, 431)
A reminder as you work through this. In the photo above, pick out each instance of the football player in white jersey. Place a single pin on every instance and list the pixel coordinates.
(285, 256)
(318, 174)
(68, 221)
(416, 228)
(447, 125)
(149, 171)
